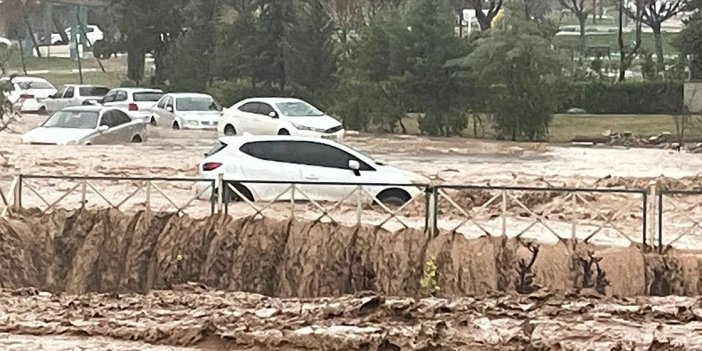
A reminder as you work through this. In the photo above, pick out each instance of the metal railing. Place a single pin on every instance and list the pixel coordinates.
(625, 216)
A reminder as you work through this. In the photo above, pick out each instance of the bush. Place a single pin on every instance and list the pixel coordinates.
(665, 97)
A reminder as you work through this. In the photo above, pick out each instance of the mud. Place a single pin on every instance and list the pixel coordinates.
(108, 251)
(194, 317)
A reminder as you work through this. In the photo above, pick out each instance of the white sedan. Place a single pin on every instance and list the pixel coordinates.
(279, 116)
(304, 159)
(140, 102)
(187, 111)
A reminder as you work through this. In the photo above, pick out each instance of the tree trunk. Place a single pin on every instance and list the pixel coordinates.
(583, 40)
(460, 23)
(622, 52)
(594, 11)
(660, 60)
(135, 63)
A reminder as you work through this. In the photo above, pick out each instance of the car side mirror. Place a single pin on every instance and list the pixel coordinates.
(355, 166)
(273, 115)
(169, 108)
(100, 101)
(103, 128)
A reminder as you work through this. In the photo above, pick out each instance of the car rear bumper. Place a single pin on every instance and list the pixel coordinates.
(31, 105)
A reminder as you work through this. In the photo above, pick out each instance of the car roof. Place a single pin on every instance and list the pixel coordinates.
(84, 85)
(239, 140)
(88, 108)
(177, 95)
(140, 90)
(272, 100)
(27, 79)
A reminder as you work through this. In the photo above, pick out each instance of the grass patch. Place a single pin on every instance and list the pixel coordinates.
(612, 41)
(564, 128)
(108, 79)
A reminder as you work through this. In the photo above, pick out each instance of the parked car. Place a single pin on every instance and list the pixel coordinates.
(187, 111)
(140, 102)
(92, 32)
(87, 125)
(5, 43)
(281, 116)
(29, 93)
(303, 159)
(75, 95)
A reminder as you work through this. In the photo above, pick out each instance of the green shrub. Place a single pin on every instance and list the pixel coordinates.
(657, 97)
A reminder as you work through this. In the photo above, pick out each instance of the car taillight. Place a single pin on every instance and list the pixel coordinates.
(26, 96)
(133, 107)
(211, 166)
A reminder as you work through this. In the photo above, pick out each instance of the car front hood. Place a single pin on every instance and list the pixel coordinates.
(322, 122)
(59, 136)
(200, 116)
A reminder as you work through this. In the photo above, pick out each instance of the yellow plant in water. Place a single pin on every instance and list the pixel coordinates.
(428, 284)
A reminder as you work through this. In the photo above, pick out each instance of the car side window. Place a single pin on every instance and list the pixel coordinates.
(121, 96)
(265, 109)
(303, 153)
(60, 93)
(110, 97)
(250, 107)
(170, 102)
(70, 92)
(162, 103)
(119, 118)
(106, 119)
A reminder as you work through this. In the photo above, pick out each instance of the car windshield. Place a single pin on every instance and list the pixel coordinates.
(298, 109)
(196, 104)
(93, 91)
(148, 96)
(35, 84)
(72, 119)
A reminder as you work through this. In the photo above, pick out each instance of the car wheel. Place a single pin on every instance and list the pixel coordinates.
(283, 132)
(137, 139)
(232, 196)
(229, 130)
(176, 126)
(394, 198)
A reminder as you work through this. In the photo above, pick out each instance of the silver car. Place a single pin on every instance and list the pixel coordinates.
(87, 125)
(187, 111)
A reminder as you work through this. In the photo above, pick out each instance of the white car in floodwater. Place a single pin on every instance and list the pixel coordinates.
(187, 111)
(28, 94)
(309, 160)
(279, 116)
(87, 125)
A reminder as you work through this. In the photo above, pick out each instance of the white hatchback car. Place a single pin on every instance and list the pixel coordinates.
(140, 102)
(74, 95)
(278, 116)
(29, 93)
(187, 111)
(305, 160)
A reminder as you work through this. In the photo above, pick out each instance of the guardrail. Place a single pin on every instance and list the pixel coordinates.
(551, 214)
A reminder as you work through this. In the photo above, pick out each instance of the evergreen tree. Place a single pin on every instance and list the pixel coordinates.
(310, 52)
(269, 63)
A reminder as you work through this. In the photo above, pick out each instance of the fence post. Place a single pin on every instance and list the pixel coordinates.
(18, 192)
(504, 213)
(148, 196)
(220, 192)
(653, 214)
(432, 210)
(83, 193)
(359, 205)
(292, 202)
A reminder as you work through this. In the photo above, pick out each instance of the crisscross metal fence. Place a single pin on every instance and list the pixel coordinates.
(547, 214)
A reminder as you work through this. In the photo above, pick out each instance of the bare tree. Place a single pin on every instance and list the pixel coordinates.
(347, 16)
(653, 13)
(485, 19)
(579, 10)
(627, 53)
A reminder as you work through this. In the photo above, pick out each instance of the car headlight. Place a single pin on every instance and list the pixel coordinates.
(311, 129)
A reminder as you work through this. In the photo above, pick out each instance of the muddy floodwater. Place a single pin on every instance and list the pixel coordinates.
(307, 279)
